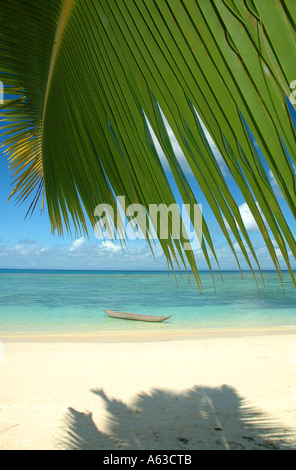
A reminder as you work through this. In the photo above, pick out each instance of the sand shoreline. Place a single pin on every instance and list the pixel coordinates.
(140, 335)
(233, 391)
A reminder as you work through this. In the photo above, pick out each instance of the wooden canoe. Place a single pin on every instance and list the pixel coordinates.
(135, 316)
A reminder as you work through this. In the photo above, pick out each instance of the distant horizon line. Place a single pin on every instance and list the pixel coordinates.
(143, 270)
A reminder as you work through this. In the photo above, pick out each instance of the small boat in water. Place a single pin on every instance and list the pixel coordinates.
(135, 316)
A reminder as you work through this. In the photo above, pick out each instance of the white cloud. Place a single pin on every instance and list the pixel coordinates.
(108, 255)
(81, 254)
(248, 218)
(41, 251)
(21, 249)
(77, 244)
(109, 246)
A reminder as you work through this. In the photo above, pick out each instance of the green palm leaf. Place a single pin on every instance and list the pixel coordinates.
(89, 79)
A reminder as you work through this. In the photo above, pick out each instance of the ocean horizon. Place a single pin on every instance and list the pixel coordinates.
(70, 302)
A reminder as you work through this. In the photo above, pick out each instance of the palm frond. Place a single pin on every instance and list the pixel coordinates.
(91, 78)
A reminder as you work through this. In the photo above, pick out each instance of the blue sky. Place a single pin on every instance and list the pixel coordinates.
(28, 243)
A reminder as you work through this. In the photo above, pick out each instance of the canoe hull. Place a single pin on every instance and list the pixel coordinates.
(135, 316)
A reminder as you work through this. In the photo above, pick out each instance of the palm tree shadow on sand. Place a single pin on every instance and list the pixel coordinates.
(198, 418)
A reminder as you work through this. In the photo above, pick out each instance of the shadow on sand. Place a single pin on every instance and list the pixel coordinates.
(198, 418)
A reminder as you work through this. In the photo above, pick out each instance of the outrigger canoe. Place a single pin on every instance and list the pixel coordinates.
(135, 316)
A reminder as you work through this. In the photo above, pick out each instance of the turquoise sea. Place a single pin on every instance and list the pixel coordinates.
(71, 302)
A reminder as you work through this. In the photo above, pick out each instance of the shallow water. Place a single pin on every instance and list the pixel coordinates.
(71, 302)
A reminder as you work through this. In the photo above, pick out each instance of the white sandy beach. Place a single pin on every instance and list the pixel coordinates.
(223, 391)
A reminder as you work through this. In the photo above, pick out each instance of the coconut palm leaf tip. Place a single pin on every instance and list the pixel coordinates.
(92, 85)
